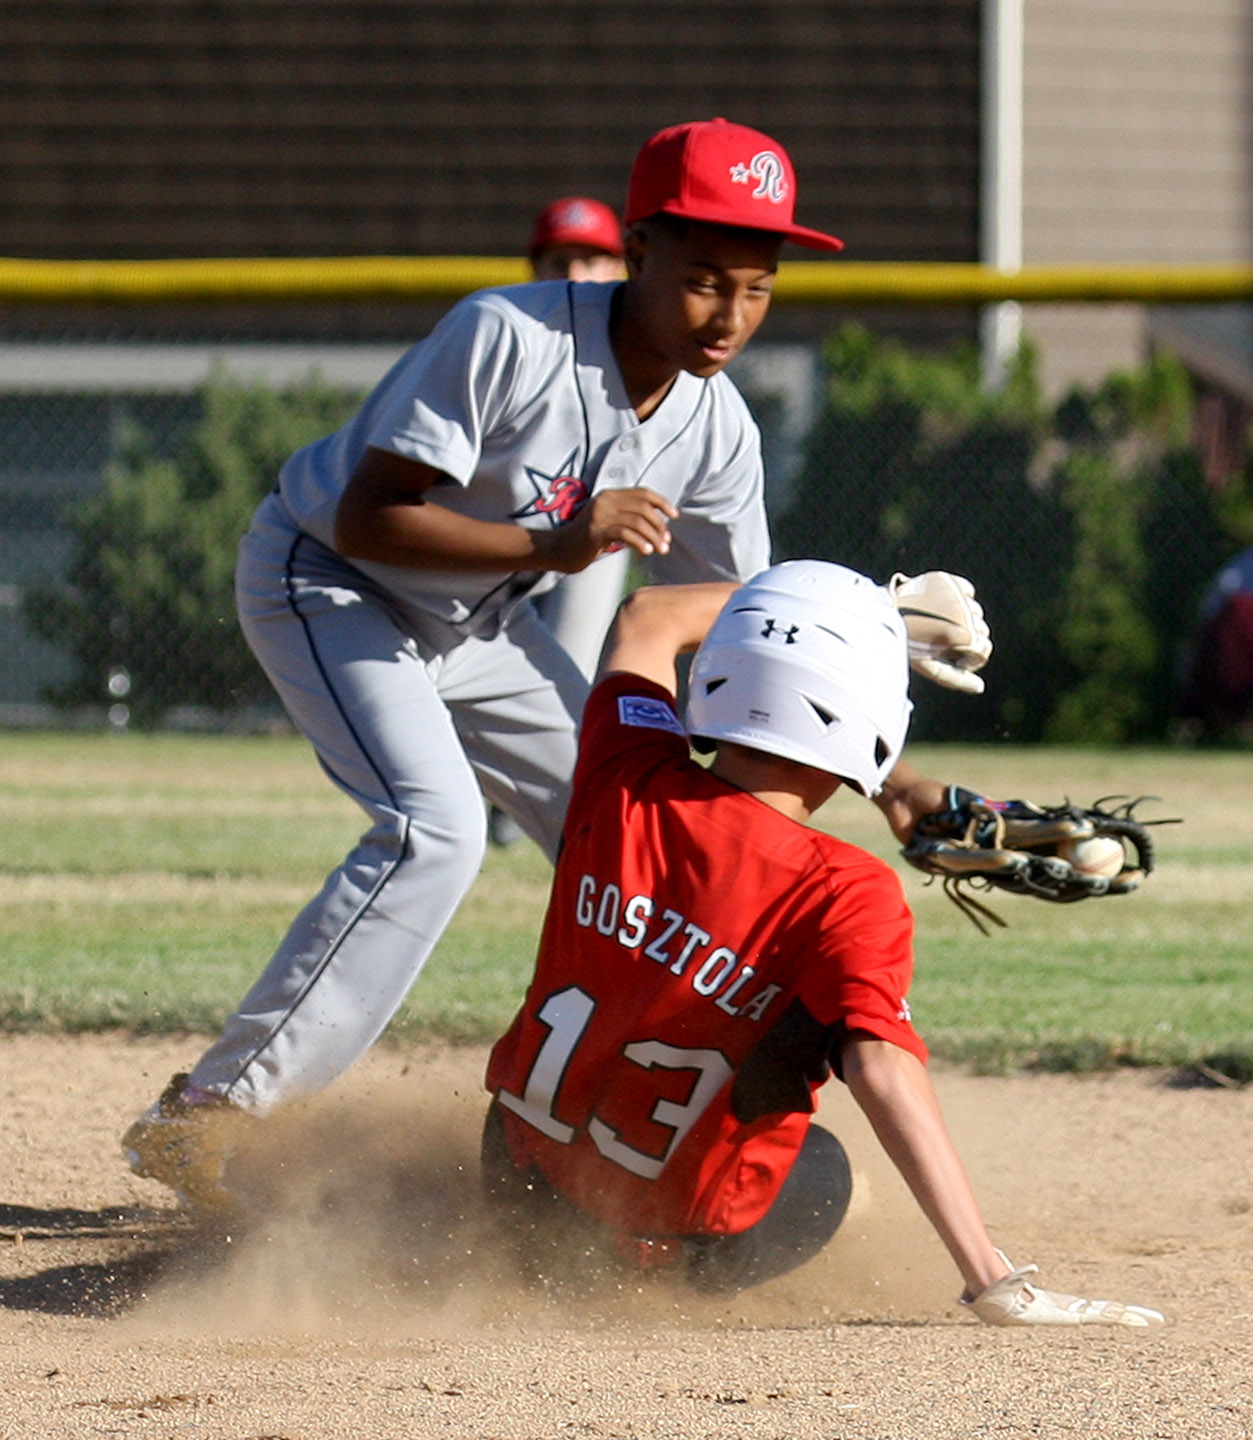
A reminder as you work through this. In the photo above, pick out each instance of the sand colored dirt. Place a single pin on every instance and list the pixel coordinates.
(365, 1299)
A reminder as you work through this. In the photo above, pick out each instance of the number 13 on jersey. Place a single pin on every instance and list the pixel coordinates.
(567, 1014)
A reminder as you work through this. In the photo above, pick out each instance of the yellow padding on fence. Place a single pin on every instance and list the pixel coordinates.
(907, 284)
(382, 277)
(259, 281)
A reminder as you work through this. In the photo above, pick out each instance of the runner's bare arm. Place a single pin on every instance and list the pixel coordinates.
(894, 1090)
(657, 623)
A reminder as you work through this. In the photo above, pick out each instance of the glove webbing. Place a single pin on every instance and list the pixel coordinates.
(974, 910)
(987, 828)
(958, 887)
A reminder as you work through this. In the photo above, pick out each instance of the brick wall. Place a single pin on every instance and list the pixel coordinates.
(138, 128)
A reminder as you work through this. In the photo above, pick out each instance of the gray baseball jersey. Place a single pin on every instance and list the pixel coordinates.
(516, 398)
(423, 690)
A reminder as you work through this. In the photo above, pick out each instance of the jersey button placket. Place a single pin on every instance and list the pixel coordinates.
(622, 471)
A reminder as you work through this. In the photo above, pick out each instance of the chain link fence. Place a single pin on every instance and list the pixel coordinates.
(1092, 521)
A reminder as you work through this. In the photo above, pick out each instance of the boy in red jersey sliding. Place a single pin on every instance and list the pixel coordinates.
(708, 960)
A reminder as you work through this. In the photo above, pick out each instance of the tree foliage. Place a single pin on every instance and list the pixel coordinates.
(1086, 526)
(149, 599)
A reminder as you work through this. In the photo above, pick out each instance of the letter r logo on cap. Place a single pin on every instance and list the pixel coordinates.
(767, 169)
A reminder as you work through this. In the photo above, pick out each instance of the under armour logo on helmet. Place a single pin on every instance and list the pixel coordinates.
(767, 169)
(789, 635)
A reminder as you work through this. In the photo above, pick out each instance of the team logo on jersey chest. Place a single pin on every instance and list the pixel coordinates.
(560, 496)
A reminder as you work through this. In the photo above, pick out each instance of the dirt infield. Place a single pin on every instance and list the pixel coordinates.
(360, 1304)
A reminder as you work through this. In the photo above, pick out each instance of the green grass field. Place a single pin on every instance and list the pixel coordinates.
(145, 880)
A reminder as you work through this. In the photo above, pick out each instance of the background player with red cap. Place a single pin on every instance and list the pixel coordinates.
(576, 238)
(386, 587)
(708, 960)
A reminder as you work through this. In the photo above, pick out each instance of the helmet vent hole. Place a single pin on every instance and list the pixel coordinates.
(712, 685)
(826, 717)
(881, 750)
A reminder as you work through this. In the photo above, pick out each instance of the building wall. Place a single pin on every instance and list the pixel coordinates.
(244, 127)
(1137, 150)
(167, 128)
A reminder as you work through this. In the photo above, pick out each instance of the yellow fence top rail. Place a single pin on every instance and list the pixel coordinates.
(966, 284)
(299, 280)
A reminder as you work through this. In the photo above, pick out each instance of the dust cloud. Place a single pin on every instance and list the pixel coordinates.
(362, 1212)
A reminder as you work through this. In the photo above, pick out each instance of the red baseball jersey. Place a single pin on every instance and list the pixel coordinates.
(701, 957)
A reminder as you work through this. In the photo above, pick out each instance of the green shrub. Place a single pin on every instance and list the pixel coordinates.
(150, 593)
(1146, 540)
(1086, 526)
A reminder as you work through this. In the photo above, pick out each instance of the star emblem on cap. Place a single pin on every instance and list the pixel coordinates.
(739, 174)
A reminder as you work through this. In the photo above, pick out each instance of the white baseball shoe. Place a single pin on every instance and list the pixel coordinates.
(185, 1140)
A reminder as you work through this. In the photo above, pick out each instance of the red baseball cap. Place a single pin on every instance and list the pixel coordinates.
(721, 173)
(576, 220)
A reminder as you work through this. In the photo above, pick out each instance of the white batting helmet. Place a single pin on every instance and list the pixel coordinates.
(807, 661)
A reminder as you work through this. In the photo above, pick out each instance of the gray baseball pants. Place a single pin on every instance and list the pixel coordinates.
(415, 720)
(581, 609)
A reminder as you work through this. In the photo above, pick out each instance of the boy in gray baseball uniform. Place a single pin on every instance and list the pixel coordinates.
(386, 586)
(578, 238)
(575, 238)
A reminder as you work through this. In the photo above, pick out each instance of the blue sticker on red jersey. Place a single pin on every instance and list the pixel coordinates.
(651, 714)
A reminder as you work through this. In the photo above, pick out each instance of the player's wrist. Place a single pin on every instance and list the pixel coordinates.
(982, 1270)
(907, 796)
(554, 550)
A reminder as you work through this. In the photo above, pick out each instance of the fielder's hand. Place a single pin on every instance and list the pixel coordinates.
(1015, 1301)
(611, 520)
(948, 636)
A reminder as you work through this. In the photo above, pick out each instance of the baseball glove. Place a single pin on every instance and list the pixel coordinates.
(1026, 849)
